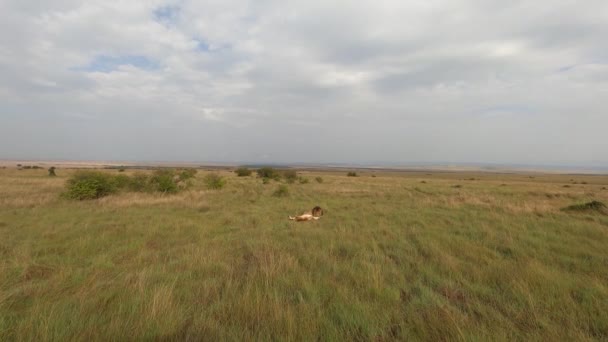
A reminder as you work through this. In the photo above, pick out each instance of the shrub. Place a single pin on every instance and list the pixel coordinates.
(282, 191)
(214, 181)
(319, 179)
(589, 206)
(121, 181)
(121, 169)
(352, 174)
(164, 181)
(139, 182)
(303, 180)
(290, 176)
(268, 172)
(52, 171)
(85, 185)
(187, 174)
(243, 172)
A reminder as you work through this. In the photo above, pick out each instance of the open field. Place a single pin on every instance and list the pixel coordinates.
(398, 256)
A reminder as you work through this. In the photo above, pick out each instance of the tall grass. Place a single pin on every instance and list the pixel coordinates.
(391, 259)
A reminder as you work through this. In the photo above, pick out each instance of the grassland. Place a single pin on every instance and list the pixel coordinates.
(398, 256)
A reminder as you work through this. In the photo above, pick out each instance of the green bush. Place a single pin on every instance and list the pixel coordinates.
(265, 180)
(85, 185)
(121, 181)
(268, 172)
(589, 206)
(164, 181)
(52, 171)
(282, 191)
(290, 176)
(139, 182)
(243, 172)
(187, 174)
(214, 181)
(319, 179)
(352, 174)
(303, 180)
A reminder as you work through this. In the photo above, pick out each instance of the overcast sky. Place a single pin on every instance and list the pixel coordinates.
(482, 81)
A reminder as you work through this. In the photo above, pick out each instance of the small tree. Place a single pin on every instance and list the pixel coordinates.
(319, 179)
(52, 171)
(352, 174)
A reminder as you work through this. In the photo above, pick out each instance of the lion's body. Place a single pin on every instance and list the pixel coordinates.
(314, 214)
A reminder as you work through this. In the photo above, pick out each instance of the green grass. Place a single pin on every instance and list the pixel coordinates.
(391, 259)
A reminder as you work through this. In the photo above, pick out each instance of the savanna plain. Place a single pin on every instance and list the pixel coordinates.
(462, 256)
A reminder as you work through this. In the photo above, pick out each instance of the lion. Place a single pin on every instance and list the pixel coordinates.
(314, 214)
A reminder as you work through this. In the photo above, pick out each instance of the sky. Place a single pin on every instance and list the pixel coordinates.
(315, 81)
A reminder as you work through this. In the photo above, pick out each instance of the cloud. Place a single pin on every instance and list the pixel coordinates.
(309, 81)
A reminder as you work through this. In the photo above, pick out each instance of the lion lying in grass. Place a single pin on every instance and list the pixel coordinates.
(314, 214)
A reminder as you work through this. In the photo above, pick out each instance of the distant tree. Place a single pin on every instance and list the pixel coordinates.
(352, 174)
(52, 171)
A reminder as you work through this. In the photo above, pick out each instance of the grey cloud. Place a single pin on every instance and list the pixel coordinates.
(306, 81)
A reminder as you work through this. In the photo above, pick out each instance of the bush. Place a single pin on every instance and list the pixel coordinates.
(164, 181)
(52, 171)
(85, 185)
(121, 181)
(243, 172)
(352, 174)
(122, 169)
(265, 180)
(268, 172)
(282, 191)
(290, 176)
(303, 180)
(187, 174)
(214, 181)
(319, 179)
(94, 184)
(596, 206)
(139, 182)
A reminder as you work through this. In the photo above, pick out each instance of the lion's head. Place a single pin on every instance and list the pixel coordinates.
(317, 211)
